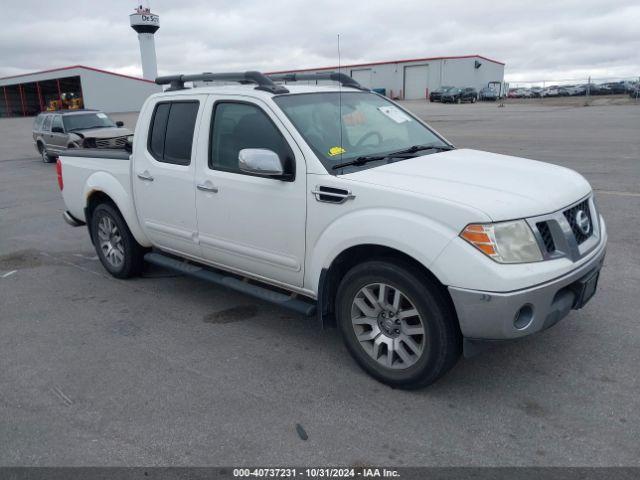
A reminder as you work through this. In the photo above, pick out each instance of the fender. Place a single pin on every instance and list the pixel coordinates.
(420, 237)
(107, 184)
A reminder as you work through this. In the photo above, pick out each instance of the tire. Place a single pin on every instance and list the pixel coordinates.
(416, 359)
(120, 254)
(43, 153)
(473, 100)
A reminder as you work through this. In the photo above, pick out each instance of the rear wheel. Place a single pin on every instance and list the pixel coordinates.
(396, 324)
(118, 251)
(43, 153)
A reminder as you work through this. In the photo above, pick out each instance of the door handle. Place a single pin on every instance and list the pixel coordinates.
(145, 176)
(206, 187)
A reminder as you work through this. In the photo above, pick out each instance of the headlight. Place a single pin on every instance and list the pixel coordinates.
(505, 242)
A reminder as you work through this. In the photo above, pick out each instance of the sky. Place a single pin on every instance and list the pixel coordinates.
(538, 40)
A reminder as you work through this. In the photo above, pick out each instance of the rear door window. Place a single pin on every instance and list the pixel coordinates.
(46, 125)
(157, 130)
(171, 131)
(37, 125)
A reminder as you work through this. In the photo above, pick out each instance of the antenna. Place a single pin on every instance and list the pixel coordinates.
(340, 99)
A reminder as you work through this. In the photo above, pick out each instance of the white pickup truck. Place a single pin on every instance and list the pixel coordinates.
(332, 200)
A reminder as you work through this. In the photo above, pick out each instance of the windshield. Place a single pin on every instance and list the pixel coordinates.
(86, 120)
(371, 125)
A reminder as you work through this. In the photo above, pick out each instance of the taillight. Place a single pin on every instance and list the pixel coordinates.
(59, 173)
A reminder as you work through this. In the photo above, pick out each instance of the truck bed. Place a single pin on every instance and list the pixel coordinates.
(84, 168)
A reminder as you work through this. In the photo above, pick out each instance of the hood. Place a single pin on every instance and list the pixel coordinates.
(501, 186)
(108, 132)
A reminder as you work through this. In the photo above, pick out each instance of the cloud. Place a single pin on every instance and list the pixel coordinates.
(541, 40)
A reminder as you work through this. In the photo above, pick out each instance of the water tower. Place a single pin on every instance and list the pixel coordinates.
(146, 24)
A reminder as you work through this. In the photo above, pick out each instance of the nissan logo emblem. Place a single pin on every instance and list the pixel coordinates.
(583, 222)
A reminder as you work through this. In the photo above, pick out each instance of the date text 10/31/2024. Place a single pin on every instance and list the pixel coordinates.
(316, 472)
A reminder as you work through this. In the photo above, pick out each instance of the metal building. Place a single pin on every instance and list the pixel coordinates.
(413, 79)
(70, 88)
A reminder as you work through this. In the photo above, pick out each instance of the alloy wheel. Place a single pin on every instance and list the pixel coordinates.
(388, 326)
(110, 241)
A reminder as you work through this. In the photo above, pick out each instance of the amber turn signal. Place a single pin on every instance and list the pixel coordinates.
(479, 237)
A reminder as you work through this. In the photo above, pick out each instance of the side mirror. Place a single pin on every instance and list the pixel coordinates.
(57, 130)
(260, 161)
(119, 124)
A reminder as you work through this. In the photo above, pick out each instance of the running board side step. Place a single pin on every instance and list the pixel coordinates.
(291, 302)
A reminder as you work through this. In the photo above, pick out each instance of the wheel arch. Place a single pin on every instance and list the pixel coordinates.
(100, 190)
(331, 276)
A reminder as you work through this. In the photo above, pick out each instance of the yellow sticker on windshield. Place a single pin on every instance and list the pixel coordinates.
(333, 151)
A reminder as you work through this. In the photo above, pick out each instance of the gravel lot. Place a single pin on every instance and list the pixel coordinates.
(166, 370)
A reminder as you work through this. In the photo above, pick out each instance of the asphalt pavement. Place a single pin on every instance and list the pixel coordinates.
(168, 370)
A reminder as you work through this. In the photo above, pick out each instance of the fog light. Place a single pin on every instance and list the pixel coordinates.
(523, 317)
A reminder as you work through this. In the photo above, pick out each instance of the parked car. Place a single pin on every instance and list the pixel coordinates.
(616, 88)
(575, 90)
(469, 94)
(536, 92)
(262, 189)
(452, 95)
(436, 95)
(488, 94)
(591, 89)
(56, 132)
(460, 95)
(550, 92)
(513, 93)
(519, 93)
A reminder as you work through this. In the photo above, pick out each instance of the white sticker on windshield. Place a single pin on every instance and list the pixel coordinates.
(395, 114)
(101, 115)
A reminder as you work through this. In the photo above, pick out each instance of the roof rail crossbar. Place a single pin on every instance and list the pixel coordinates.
(176, 82)
(342, 78)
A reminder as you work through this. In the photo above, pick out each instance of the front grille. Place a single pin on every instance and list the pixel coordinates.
(547, 238)
(571, 215)
(115, 142)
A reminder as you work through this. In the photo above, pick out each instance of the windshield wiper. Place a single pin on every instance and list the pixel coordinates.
(89, 127)
(418, 148)
(405, 153)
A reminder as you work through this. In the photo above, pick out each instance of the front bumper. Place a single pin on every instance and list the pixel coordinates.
(492, 316)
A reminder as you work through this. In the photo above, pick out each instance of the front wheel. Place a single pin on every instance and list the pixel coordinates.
(397, 324)
(118, 250)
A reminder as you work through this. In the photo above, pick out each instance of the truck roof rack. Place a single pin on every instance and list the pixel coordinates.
(176, 82)
(344, 79)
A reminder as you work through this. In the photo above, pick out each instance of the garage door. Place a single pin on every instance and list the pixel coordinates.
(416, 79)
(362, 76)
